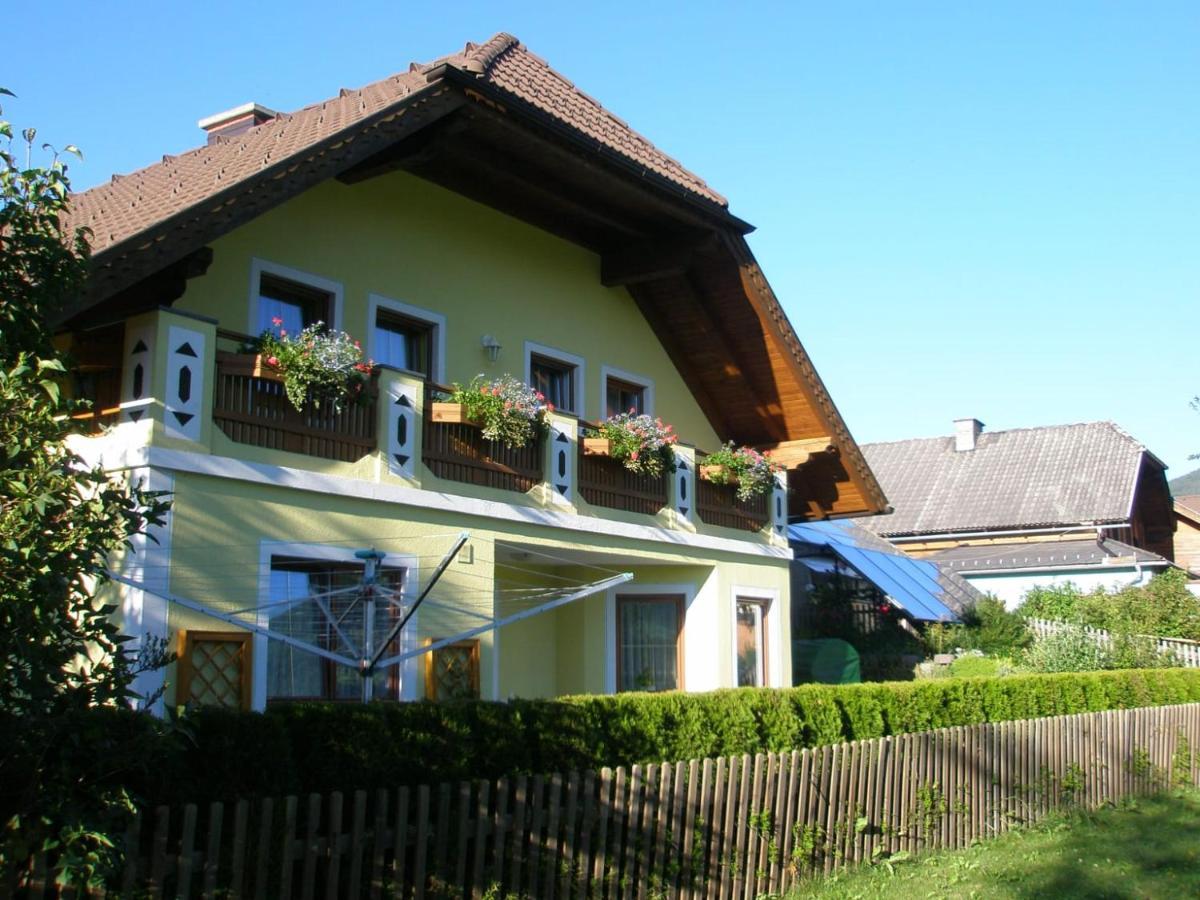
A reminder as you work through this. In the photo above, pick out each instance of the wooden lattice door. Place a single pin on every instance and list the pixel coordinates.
(214, 669)
(452, 672)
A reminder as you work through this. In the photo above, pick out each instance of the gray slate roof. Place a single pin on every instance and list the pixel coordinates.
(1044, 555)
(1023, 478)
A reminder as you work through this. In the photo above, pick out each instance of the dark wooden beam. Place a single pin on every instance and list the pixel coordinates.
(419, 149)
(162, 288)
(519, 189)
(648, 260)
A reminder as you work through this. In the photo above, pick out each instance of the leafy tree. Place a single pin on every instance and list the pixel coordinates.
(60, 650)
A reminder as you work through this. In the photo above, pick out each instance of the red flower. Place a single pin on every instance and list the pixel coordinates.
(272, 361)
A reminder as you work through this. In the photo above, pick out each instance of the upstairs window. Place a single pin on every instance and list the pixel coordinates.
(556, 381)
(296, 305)
(403, 342)
(406, 337)
(624, 396)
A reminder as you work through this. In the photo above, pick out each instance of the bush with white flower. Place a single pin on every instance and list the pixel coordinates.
(508, 409)
(753, 472)
(642, 443)
(317, 365)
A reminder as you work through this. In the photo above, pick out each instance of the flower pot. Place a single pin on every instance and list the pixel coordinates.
(452, 414)
(597, 446)
(707, 473)
(249, 364)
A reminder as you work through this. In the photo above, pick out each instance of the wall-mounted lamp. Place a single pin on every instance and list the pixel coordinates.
(492, 347)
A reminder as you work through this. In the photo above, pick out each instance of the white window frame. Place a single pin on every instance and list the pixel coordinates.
(772, 645)
(640, 380)
(567, 359)
(260, 267)
(409, 638)
(436, 322)
(687, 591)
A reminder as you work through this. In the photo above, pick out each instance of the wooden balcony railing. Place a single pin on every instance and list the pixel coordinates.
(717, 504)
(255, 411)
(604, 481)
(459, 452)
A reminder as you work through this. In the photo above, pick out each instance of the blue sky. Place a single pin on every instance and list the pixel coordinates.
(987, 210)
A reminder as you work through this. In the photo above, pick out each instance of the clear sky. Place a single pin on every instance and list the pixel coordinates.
(967, 209)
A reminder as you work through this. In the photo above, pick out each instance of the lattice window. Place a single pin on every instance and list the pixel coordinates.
(214, 669)
(452, 672)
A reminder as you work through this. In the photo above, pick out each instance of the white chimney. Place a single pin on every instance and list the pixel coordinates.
(966, 433)
(236, 120)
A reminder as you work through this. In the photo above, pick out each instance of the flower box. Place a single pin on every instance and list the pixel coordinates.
(722, 475)
(452, 414)
(250, 364)
(597, 446)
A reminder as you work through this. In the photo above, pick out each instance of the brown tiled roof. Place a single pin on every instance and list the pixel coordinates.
(133, 203)
(1023, 478)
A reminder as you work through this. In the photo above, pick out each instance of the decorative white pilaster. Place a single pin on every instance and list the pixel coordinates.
(562, 454)
(779, 506)
(683, 484)
(402, 398)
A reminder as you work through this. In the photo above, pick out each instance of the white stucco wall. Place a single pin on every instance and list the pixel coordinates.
(1011, 586)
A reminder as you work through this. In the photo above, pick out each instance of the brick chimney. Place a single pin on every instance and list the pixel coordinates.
(966, 433)
(235, 121)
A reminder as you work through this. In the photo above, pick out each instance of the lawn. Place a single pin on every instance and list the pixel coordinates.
(1146, 848)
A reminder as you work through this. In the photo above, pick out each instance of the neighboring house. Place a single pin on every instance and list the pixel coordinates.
(1009, 510)
(477, 214)
(1187, 534)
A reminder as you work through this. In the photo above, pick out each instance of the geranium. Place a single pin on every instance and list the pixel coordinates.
(753, 472)
(641, 442)
(509, 409)
(317, 365)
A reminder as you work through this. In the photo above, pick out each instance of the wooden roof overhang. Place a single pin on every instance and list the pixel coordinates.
(682, 257)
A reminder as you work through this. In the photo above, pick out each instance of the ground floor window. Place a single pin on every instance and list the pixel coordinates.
(751, 642)
(648, 643)
(316, 601)
(452, 672)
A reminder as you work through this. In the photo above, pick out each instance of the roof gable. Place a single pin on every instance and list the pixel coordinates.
(129, 204)
(1023, 478)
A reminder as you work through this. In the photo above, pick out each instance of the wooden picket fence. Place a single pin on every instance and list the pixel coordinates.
(736, 827)
(1186, 653)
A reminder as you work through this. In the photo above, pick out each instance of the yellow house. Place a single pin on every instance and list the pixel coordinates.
(477, 215)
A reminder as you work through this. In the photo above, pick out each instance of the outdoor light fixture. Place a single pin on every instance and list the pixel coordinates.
(492, 346)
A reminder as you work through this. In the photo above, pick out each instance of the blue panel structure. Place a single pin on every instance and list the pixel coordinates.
(918, 587)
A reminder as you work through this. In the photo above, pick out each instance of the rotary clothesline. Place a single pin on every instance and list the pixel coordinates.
(366, 652)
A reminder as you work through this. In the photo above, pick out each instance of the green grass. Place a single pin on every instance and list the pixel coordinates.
(1145, 848)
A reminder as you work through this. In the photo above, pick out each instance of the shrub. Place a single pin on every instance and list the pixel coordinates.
(987, 626)
(295, 749)
(1073, 649)
(1164, 607)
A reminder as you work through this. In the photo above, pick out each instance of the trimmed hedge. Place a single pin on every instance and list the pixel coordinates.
(307, 747)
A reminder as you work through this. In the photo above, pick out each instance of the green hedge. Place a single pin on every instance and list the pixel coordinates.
(321, 747)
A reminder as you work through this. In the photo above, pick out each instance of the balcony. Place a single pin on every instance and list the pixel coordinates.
(182, 383)
(459, 452)
(251, 409)
(604, 481)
